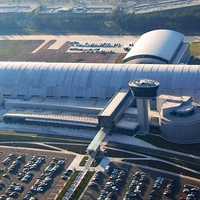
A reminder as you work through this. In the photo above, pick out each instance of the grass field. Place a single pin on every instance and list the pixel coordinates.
(14, 50)
(22, 50)
(164, 166)
(80, 188)
(28, 145)
(67, 185)
(160, 142)
(23, 137)
(82, 185)
(80, 149)
(84, 161)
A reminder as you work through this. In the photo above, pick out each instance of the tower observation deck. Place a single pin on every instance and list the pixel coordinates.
(144, 90)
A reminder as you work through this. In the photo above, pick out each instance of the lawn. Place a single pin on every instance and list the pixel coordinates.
(84, 161)
(163, 166)
(195, 48)
(80, 149)
(160, 142)
(80, 189)
(68, 185)
(29, 137)
(28, 145)
(14, 50)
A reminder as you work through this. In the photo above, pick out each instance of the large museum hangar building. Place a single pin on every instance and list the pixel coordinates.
(159, 47)
(51, 96)
(25, 80)
(56, 94)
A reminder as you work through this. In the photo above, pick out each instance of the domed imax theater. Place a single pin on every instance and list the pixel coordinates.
(159, 47)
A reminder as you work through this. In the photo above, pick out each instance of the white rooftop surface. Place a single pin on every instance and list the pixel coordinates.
(56, 117)
(98, 139)
(15, 8)
(114, 103)
(131, 111)
(127, 124)
(92, 81)
(159, 43)
(59, 104)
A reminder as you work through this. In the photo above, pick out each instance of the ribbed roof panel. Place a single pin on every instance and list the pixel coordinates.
(158, 44)
(92, 80)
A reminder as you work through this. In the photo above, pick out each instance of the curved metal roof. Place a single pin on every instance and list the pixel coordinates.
(159, 44)
(93, 80)
(146, 60)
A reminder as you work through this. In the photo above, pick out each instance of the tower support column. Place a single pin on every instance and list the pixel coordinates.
(144, 90)
(143, 106)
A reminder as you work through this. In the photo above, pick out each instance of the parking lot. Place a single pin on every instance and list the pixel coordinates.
(122, 182)
(32, 174)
